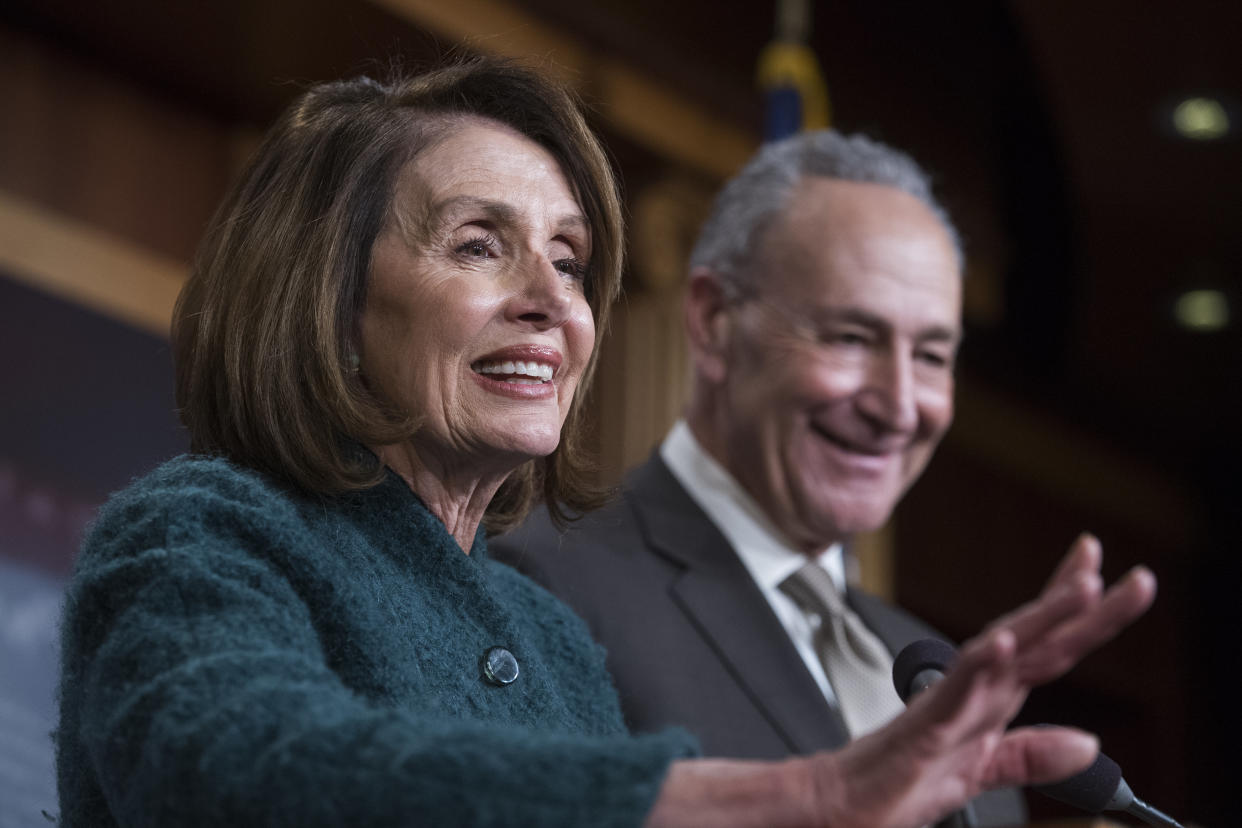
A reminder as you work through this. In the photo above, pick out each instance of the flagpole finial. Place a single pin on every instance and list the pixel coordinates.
(793, 20)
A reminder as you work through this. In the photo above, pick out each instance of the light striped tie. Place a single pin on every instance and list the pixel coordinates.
(856, 662)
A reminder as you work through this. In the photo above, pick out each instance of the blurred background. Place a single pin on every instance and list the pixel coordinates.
(1089, 152)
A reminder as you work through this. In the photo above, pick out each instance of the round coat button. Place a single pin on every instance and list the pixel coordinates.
(499, 666)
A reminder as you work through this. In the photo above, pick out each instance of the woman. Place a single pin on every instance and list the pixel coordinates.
(381, 355)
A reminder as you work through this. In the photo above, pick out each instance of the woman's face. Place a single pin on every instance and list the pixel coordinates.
(476, 320)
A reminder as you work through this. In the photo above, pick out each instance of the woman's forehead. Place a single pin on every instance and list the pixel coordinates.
(486, 168)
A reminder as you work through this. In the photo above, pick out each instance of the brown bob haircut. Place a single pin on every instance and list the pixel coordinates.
(263, 330)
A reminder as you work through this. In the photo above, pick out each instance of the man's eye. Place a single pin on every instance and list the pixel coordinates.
(932, 358)
(851, 338)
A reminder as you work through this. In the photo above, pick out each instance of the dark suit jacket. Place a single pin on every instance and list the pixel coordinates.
(691, 640)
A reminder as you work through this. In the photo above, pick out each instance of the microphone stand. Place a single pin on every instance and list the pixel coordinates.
(1126, 802)
(1152, 816)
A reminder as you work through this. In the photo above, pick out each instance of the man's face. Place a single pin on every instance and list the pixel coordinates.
(839, 369)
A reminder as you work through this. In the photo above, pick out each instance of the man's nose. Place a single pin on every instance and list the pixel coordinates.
(542, 294)
(888, 395)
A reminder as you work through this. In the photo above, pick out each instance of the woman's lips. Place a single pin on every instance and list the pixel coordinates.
(519, 371)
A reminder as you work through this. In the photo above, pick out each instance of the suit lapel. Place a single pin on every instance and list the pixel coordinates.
(725, 605)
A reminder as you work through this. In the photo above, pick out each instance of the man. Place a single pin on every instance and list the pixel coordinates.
(823, 316)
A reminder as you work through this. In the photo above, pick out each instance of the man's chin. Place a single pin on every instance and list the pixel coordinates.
(838, 521)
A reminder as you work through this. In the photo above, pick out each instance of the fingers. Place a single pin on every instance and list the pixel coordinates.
(979, 693)
(1038, 642)
(1057, 604)
(1039, 755)
(1084, 555)
(1064, 647)
(1073, 615)
(953, 741)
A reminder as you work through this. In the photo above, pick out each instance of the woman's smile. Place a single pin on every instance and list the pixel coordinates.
(525, 372)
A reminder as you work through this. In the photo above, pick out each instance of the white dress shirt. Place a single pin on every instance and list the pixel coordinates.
(763, 549)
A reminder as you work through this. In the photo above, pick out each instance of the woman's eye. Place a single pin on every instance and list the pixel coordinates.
(571, 267)
(481, 247)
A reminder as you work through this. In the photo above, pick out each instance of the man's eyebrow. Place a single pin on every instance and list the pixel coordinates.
(858, 316)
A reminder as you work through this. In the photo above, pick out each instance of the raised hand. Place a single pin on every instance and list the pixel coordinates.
(952, 743)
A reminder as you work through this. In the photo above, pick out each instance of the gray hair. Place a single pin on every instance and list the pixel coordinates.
(755, 197)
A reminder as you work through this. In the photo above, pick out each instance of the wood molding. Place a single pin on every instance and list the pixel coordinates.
(635, 104)
(875, 555)
(69, 259)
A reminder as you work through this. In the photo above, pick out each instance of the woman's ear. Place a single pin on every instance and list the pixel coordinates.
(708, 324)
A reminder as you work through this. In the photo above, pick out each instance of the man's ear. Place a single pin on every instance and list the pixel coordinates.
(709, 325)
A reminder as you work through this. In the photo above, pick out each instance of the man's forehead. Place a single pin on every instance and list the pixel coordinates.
(824, 213)
(841, 204)
(847, 243)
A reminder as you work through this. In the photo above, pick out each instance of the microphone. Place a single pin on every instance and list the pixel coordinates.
(1098, 788)
(1101, 788)
(918, 666)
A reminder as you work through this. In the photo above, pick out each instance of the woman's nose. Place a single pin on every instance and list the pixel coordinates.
(543, 295)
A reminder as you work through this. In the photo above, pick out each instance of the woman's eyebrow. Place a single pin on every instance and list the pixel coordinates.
(501, 212)
(496, 210)
(574, 221)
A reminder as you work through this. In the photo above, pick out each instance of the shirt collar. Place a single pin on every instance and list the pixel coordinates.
(762, 547)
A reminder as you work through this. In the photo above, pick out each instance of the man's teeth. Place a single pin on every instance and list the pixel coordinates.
(518, 371)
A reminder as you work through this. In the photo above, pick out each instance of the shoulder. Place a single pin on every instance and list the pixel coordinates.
(616, 530)
(590, 546)
(189, 477)
(190, 497)
(538, 534)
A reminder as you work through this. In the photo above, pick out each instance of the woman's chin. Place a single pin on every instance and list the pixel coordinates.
(520, 448)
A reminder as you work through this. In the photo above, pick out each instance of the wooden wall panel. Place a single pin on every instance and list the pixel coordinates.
(80, 142)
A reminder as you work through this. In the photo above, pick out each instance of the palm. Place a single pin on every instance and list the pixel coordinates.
(952, 743)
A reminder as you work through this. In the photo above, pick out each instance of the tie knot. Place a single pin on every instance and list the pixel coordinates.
(812, 589)
(854, 659)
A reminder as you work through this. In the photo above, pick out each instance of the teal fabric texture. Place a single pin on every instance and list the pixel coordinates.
(236, 653)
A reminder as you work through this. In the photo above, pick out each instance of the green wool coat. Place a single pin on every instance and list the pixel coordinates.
(238, 654)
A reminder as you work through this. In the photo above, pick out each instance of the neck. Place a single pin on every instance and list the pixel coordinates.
(459, 498)
(705, 415)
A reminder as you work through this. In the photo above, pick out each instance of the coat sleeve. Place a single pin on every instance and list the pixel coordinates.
(197, 692)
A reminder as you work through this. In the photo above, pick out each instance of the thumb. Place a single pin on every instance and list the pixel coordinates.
(1039, 755)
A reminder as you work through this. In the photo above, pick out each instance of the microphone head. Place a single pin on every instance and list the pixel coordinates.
(925, 654)
(1091, 790)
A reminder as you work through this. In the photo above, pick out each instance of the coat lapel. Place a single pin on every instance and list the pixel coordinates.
(722, 601)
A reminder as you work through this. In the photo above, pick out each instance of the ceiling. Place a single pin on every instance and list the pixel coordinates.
(1045, 123)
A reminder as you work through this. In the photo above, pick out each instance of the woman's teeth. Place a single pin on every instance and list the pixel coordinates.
(518, 371)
